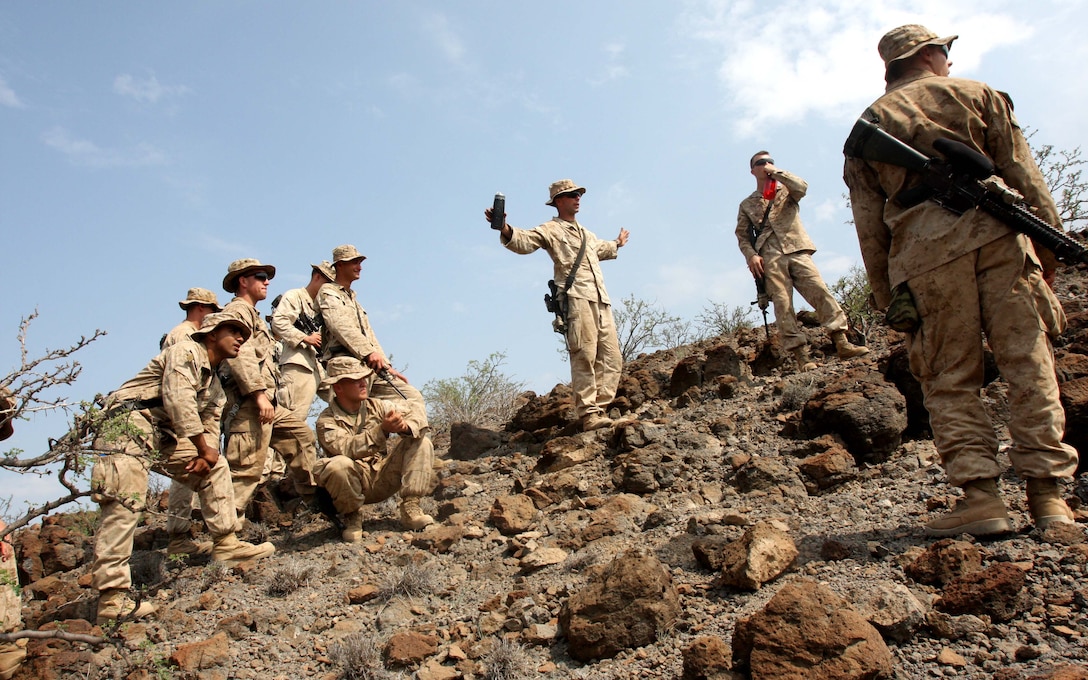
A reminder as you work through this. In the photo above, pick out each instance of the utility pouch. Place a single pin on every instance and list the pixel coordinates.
(902, 314)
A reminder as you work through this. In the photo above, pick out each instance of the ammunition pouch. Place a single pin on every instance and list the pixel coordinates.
(902, 314)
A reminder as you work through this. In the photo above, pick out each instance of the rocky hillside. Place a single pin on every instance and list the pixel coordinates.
(739, 521)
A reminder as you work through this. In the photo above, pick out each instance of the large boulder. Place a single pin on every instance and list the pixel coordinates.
(997, 591)
(468, 441)
(626, 606)
(808, 632)
(867, 413)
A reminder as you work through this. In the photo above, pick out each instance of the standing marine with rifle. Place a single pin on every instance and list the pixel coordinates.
(958, 272)
(297, 324)
(779, 252)
(583, 309)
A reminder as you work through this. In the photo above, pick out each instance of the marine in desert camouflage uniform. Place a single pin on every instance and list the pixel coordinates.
(595, 358)
(969, 275)
(171, 411)
(782, 254)
(251, 384)
(359, 469)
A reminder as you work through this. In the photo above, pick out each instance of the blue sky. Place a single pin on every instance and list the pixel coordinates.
(143, 146)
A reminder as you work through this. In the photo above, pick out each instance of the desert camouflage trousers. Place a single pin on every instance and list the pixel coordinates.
(247, 450)
(783, 273)
(119, 482)
(409, 469)
(11, 611)
(595, 359)
(298, 389)
(997, 290)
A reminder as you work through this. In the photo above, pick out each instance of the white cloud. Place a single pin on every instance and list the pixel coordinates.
(780, 63)
(146, 90)
(8, 97)
(613, 68)
(449, 43)
(86, 153)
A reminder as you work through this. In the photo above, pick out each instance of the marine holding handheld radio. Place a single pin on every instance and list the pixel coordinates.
(590, 332)
(968, 274)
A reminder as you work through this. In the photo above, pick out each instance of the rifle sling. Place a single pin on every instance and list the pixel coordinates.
(577, 263)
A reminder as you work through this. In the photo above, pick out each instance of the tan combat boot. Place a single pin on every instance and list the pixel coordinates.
(411, 515)
(353, 527)
(230, 551)
(846, 349)
(182, 544)
(595, 421)
(1046, 504)
(804, 361)
(980, 512)
(114, 603)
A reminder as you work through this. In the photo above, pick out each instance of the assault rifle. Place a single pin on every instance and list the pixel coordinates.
(385, 375)
(305, 323)
(962, 180)
(761, 286)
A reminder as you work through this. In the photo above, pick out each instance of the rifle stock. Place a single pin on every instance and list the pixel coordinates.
(962, 180)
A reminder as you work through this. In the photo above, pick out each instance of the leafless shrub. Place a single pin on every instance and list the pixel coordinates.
(411, 580)
(507, 661)
(34, 387)
(359, 657)
(289, 577)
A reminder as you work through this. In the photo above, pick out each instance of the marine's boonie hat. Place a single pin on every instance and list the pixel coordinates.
(905, 41)
(346, 253)
(563, 186)
(200, 296)
(325, 269)
(244, 267)
(344, 368)
(213, 321)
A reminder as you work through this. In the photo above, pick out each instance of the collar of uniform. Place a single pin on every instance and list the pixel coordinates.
(909, 78)
(344, 414)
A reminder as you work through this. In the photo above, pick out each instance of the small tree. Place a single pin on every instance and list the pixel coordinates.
(1061, 169)
(719, 319)
(32, 386)
(643, 326)
(853, 293)
(483, 396)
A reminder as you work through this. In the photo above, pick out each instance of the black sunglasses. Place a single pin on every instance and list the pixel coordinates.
(260, 276)
(763, 161)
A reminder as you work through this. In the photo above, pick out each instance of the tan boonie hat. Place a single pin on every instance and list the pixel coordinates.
(346, 253)
(214, 321)
(200, 296)
(325, 269)
(244, 267)
(344, 368)
(905, 41)
(563, 186)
